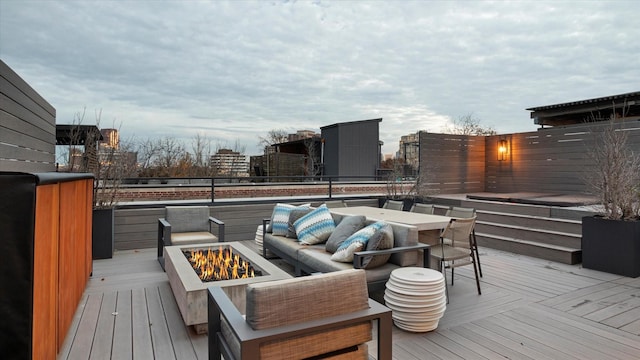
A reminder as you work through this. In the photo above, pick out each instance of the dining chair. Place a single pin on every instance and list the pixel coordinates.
(393, 205)
(422, 208)
(464, 212)
(455, 248)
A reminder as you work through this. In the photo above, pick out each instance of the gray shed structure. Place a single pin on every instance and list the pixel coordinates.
(351, 148)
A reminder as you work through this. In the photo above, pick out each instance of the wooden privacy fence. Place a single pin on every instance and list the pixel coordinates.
(553, 160)
(452, 164)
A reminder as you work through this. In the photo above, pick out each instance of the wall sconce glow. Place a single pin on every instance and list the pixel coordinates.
(503, 150)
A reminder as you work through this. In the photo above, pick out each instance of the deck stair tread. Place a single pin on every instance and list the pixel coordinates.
(567, 234)
(528, 242)
(546, 218)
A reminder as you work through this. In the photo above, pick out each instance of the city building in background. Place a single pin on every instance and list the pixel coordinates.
(227, 162)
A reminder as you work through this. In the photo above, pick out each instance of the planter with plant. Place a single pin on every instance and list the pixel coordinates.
(109, 163)
(611, 240)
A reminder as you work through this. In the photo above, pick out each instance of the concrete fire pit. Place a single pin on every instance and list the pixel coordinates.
(191, 292)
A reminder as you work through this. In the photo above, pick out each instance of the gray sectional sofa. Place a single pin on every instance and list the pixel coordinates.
(309, 259)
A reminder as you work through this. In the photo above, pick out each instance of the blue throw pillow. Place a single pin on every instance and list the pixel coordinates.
(315, 227)
(356, 242)
(280, 218)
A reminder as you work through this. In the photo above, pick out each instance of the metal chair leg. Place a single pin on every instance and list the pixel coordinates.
(475, 251)
(475, 270)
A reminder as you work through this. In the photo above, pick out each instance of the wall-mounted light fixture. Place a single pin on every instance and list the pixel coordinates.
(503, 149)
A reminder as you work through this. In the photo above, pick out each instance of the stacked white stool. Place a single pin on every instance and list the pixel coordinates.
(258, 238)
(416, 297)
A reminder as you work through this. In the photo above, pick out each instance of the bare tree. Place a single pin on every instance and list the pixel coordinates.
(469, 125)
(313, 163)
(201, 147)
(274, 136)
(615, 177)
(169, 153)
(109, 163)
(147, 153)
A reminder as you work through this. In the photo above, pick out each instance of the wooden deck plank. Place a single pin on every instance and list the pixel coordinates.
(479, 351)
(566, 300)
(179, 333)
(597, 301)
(453, 348)
(517, 316)
(621, 339)
(123, 333)
(633, 328)
(65, 349)
(516, 341)
(83, 340)
(575, 334)
(496, 342)
(558, 344)
(623, 319)
(162, 345)
(104, 330)
(616, 305)
(141, 334)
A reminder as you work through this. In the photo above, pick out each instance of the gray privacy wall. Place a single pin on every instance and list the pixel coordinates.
(27, 126)
(451, 164)
(552, 160)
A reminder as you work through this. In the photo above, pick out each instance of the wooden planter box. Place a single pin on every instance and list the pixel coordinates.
(611, 246)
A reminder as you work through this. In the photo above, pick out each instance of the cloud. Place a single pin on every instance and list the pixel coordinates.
(235, 70)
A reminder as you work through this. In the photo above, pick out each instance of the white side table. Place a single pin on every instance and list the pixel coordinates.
(416, 297)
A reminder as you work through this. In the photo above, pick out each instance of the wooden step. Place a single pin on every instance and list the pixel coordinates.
(544, 236)
(534, 222)
(562, 254)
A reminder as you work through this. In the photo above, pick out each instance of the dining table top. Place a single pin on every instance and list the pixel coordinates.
(419, 220)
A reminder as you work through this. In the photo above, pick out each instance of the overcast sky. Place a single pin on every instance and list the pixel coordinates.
(234, 70)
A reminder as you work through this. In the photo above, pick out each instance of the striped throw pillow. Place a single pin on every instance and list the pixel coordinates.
(280, 218)
(315, 227)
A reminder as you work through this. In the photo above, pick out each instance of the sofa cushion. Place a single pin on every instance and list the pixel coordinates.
(315, 227)
(196, 237)
(404, 235)
(356, 242)
(319, 259)
(289, 247)
(381, 240)
(280, 217)
(293, 217)
(280, 303)
(345, 228)
(284, 302)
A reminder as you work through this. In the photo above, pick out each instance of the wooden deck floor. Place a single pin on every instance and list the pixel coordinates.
(529, 309)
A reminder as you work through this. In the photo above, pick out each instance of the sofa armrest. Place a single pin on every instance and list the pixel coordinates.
(219, 304)
(265, 222)
(164, 236)
(220, 224)
(359, 256)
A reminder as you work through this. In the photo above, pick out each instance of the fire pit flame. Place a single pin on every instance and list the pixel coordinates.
(221, 264)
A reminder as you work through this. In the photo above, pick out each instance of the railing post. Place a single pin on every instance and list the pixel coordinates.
(330, 187)
(213, 191)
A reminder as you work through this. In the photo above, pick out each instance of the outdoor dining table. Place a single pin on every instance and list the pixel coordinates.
(428, 226)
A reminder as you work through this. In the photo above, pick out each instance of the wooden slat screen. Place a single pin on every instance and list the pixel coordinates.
(452, 163)
(27, 126)
(550, 160)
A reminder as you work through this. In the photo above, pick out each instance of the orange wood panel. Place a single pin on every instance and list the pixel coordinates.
(45, 273)
(89, 226)
(73, 254)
